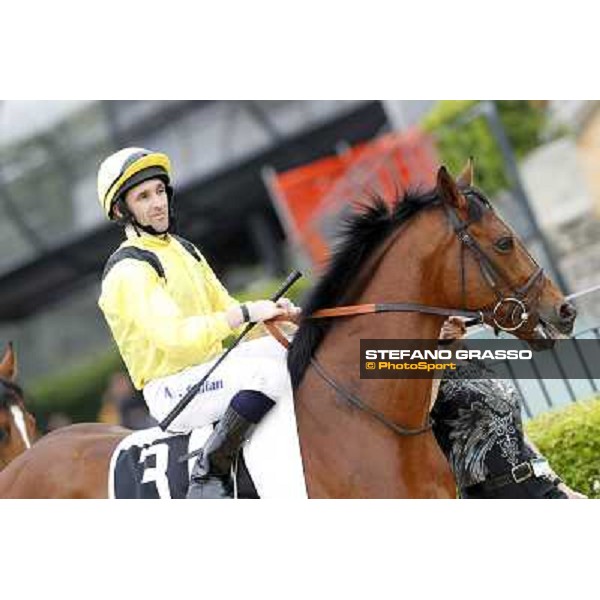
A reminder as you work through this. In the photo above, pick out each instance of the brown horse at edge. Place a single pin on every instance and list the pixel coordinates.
(409, 254)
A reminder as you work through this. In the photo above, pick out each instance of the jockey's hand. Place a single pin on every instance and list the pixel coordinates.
(291, 310)
(453, 329)
(264, 310)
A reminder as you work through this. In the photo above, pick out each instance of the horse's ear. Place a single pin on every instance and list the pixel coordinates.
(448, 190)
(8, 366)
(465, 179)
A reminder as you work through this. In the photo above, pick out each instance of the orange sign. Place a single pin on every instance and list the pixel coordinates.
(311, 199)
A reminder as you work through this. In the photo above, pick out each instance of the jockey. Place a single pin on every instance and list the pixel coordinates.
(169, 315)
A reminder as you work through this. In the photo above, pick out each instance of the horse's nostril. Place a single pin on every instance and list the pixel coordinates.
(567, 312)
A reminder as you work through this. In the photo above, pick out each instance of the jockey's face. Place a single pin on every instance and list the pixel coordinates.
(149, 204)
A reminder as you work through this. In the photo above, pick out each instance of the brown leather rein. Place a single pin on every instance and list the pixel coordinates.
(366, 309)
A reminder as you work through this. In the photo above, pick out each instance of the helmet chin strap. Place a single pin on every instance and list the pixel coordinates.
(147, 228)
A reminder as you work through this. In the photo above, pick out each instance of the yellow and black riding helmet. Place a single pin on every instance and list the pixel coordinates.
(124, 170)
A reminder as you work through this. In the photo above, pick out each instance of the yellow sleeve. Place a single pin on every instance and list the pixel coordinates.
(133, 295)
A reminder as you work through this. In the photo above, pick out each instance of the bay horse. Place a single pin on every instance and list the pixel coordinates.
(17, 425)
(402, 269)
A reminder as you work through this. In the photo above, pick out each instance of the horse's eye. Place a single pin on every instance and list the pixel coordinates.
(505, 244)
(3, 435)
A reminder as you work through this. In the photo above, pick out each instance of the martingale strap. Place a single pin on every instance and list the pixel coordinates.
(356, 402)
(345, 394)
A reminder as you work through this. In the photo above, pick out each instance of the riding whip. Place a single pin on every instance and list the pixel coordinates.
(288, 283)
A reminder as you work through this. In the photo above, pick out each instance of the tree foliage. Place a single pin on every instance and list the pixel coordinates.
(459, 136)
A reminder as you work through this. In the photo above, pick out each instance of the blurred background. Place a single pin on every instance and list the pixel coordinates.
(260, 187)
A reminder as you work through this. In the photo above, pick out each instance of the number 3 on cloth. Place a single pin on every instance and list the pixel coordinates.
(158, 474)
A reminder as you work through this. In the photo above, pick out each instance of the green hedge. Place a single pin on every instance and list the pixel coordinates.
(570, 440)
(77, 391)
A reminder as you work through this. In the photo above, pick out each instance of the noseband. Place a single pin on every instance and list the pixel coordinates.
(514, 305)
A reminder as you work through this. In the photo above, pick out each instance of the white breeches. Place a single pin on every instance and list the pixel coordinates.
(258, 365)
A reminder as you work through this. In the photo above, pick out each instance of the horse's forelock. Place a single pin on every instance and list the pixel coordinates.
(10, 393)
(477, 203)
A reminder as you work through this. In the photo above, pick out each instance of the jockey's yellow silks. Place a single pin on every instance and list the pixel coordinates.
(164, 325)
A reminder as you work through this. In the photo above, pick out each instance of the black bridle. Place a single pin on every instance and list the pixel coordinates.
(517, 300)
(515, 303)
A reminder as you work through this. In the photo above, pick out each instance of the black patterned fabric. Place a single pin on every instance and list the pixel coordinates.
(477, 423)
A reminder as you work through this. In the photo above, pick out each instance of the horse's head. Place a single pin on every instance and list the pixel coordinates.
(494, 272)
(17, 426)
(441, 252)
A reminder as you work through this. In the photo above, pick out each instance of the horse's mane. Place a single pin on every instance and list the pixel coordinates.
(10, 393)
(360, 235)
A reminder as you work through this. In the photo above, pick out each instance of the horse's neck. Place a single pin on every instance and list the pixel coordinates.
(388, 396)
(346, 452)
